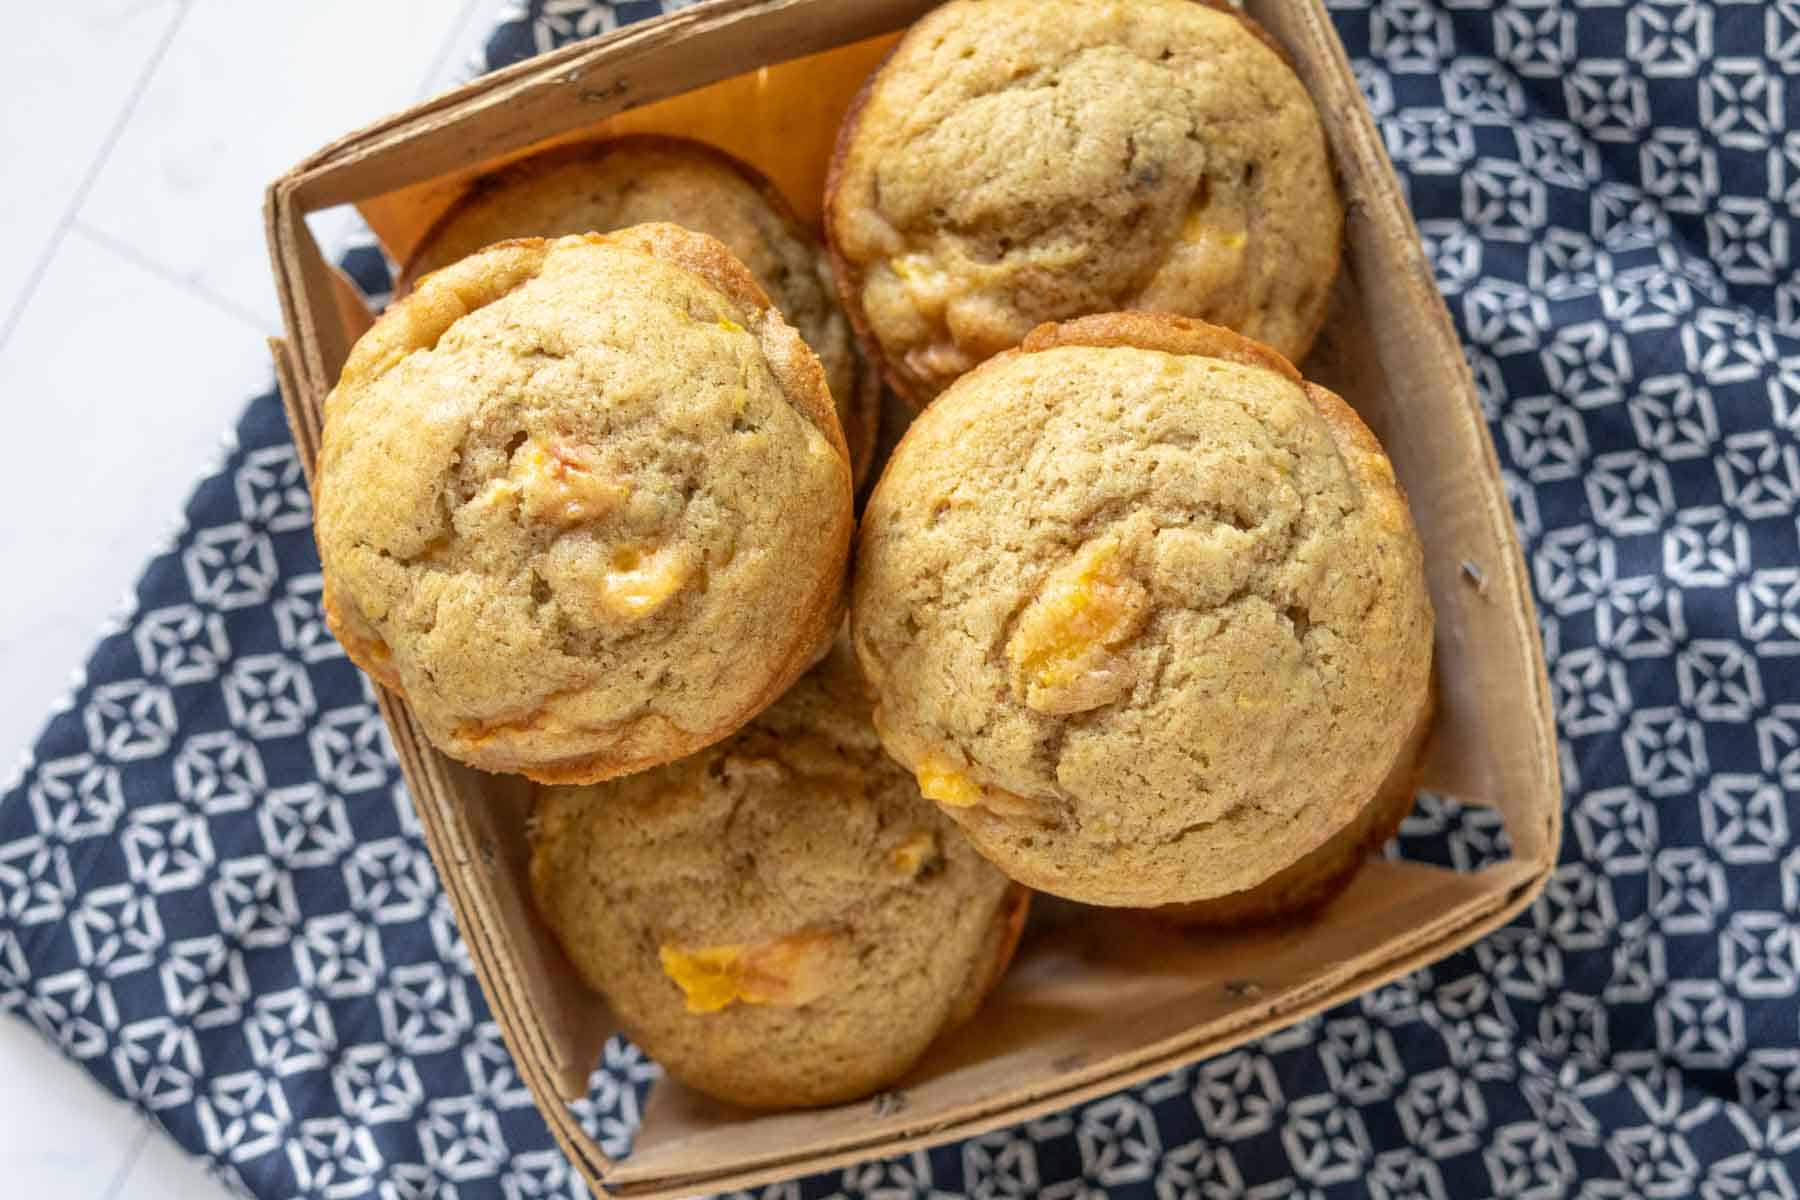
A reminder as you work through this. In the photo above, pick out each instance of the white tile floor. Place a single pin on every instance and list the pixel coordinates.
(134, 299)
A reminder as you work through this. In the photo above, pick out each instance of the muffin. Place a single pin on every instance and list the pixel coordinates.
(1021, 161)
(781, 920)
(584, 502)
(1144, 611)
(1308, 884)
(601, 186)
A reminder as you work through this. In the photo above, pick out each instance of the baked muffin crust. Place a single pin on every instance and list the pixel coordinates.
(1020, 161)
(1304, 886)
(1144, 610)
(782, 919)
(595, 187)
(584, 502)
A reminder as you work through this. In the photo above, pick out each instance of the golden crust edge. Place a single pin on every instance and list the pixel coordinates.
(865, 401)
(490, 274)
(1307, 884)
(848, 277)
(1189, 336)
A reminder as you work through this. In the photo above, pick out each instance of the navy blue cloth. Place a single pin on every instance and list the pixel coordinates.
(213, 894)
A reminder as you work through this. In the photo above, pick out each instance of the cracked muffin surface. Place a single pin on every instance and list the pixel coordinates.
(1021, 161)
(584, 502)
(601, 186)
(1144, 611)
(780, 919)
(1310, 882)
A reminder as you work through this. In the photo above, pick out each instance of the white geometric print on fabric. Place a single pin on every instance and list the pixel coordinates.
(214, 895)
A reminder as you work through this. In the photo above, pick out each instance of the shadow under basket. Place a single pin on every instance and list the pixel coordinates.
(1096, 1001)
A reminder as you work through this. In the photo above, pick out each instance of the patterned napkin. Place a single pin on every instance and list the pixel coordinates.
(213, 894)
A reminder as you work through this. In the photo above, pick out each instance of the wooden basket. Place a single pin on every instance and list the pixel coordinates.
(1092, 1004)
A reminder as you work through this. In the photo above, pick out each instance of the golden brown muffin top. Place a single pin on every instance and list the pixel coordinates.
(1019, 161)
(781, 919)
(585, 502)
(1143, 609)
(595, 187)
(1305, 885)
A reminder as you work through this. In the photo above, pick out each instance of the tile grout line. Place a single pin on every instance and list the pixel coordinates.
(123, 1173)
(72, 223)
(439, 62)
(452, 40)
(429, 84)
(138, 258)
(107, 145)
